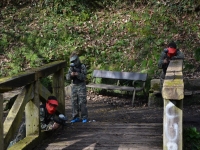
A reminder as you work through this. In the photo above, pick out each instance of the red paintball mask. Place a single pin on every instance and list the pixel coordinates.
(171, 52)
(51, 106)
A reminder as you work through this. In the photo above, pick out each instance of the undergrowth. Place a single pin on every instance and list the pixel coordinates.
(109, 35)
(191, 139)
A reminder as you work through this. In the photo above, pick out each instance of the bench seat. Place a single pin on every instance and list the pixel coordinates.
(116, 75)
(113, 87)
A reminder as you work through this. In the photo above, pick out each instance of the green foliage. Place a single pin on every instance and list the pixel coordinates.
(3, 43)
(197, 54)
(188, 65)
(47, 82)
(106, 33)
(191, 139)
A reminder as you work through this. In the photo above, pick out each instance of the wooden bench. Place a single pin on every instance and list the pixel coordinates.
(133, 76)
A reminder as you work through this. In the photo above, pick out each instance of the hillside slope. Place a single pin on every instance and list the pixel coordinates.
(108, 35)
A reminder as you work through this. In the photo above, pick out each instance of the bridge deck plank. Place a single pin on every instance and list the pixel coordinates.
(102, 134)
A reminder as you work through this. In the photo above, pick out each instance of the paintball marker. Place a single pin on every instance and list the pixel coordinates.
(61, 120)
(72, 65)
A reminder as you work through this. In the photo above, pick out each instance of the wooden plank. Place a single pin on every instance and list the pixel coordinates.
(121, 133)
(113, 87)
(18, 80)
(172, 124)
(97, 146)
(58, 89)
(21, 145)
(50, 68)
(43, 92)
(32, 113)
(30, 142)
(103, 135)
(109, 140)
(173, 94)
(15, 115)
(173, 86)
(110, 87)
(117, 125)
(1, 122)
(142, 131)
(24, 78)
(120, 75)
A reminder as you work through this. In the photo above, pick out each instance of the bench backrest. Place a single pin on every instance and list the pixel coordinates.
(120, 75)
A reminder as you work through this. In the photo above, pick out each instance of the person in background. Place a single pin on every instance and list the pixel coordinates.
(77, 74)
(48, 119)
(169, 53)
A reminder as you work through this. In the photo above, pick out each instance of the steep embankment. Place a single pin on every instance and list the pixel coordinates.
(108, 35)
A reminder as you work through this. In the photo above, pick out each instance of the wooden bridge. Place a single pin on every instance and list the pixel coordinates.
(98, 134)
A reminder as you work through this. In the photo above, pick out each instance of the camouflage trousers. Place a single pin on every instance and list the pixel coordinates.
(79, 101)
(20, 135)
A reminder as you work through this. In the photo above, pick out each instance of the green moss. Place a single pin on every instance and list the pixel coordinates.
(156, 86)
(175, 82)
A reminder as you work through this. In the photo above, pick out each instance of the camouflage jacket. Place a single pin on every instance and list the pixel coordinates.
(46, 120)
(179, 55)
(82, 72)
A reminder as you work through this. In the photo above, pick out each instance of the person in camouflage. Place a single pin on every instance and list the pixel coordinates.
(77, 74)
(48, 119)
(169, 53)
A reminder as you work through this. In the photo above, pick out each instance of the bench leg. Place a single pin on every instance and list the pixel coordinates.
(133, 97)
(144, 92)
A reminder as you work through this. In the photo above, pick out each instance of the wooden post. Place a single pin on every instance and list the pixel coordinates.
(58, 89)
(173, 94)
(1, 123)
(32, 114)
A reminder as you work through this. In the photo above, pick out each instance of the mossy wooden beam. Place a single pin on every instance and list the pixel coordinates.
(172, 124)
(173, 95)
(30, 142)
(19, 80)
(49, 69)
(43, 92)
(32, 114)
(173, 87)
(59, 89)
(25, 143)
(15, 115)
(24, 78)
(1, 122)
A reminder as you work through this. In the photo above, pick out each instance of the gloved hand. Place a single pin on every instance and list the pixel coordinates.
(61, 120)
(165, 61)
(55, 125)
(63, 117)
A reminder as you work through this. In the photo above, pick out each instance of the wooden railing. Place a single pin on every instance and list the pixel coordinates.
(173, 95)
(28, 101)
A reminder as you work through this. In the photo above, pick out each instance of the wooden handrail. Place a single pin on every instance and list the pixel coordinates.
(173, 95)
(28, 101)
(21, 79)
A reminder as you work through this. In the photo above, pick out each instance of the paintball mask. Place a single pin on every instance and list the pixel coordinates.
(74, 60)
(171, 52)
